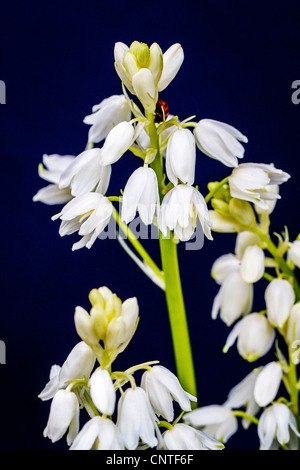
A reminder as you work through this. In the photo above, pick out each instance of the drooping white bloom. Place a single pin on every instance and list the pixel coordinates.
(78, 364)
(184, 437)
(86, 173)
(294, 253)
(64, 415)
(267, 383)
(141, 193)
(220, 141)
(243, 395)
(162, 387)
(253, 264)
(118, 141)
(234, 299)
(277, 426)
(136, 419)
(179, 211)
(98, 433)
(181, 157)
(254, 335)
(144, 88)
(88, 214)
(293, 324)
(103, 391)
(50, 170)
(251, 182)
(172, 60)
(217, 421)
(269, 205)
(107, 114)
(279, 297)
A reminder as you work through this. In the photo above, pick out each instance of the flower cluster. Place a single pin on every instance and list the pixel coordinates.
(162, 190)
(243, 204)
(123, 415)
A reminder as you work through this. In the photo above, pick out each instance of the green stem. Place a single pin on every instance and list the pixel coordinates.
(177, 315)
(216, 189)
(243, 414)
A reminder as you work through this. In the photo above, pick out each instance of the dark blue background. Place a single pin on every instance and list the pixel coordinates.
(241, 58)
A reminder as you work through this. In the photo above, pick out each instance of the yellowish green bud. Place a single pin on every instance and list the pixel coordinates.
(220, 206)
(84, 326)
(114, 334)
(96, 298)
(222, 193)
(99, 321)
(143, 55)
(134, 46)
(242, 211)
(156, 62)
(130, 64)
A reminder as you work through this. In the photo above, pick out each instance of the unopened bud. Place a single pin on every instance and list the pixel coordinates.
(84, 326)
(220, 206)
(96, 298)
(130, 64)
(242, 211)
(156, 62)
(99, 321)
(143, 55)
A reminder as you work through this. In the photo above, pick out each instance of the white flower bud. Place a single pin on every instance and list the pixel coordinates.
(144, 88)
(117, 142)
(253, 264)
(279, 297)
(172, 60)
(183, 437)
(267, 384)
(293, 324)
(294, 253)
(103, 391)
(181, 157)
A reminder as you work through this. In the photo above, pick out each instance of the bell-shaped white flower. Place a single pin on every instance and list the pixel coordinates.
(107, 114)
(64, 415)
(86, 173)
(141, 194)
(223, 266)
(181, 157)
(253, 264)
(269, 205)
(220, 141)
(251, 182)
(279, 297)
(293, 324)
(294, 253)
(242, 395)
(172, 61)
(136, 419)
(50, 170)
(103, 391)
(277, 426)
(243, 240)
(184, 437)
(118, 141)
(267, 384)
(100, 434)
(254, 336)
(180, 209)
(217, 421)
(78, 365)
(234, 299)
(144, 88)
(162, 387)
(88, 214)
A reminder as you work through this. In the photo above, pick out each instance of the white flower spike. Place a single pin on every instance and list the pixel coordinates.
(220, 141)
(162, 387)
(141, 194)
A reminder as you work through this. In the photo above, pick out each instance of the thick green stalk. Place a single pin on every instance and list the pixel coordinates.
(177, 315)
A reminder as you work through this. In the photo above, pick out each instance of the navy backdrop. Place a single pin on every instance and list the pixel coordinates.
(241, 58)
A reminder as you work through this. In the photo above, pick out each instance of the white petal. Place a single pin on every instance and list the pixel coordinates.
(267, 384)
(102, 391)
(172, 60)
